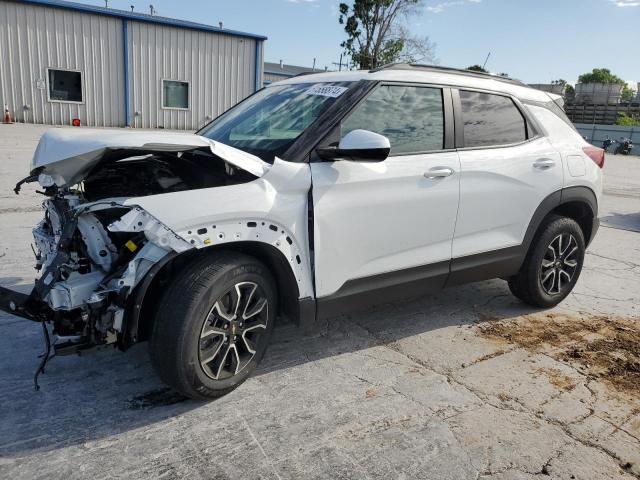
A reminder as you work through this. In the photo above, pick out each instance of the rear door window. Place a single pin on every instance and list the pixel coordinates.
(491, 120)
(412, 118)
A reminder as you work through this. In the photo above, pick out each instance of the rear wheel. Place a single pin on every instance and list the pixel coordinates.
(553, 264)
(213, 325)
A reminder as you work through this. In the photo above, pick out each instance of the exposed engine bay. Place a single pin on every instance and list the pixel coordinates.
(127, 173)
(92, 249)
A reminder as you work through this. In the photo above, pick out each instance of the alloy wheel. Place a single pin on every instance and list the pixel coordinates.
(232, 329)
(559, 264)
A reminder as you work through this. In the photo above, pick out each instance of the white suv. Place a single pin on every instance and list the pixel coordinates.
(313, 197)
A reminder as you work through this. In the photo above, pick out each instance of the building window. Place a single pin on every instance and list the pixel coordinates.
(175, 94)
(65, 86)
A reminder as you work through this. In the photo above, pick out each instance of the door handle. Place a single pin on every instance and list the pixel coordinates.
(438, 172)
(544, 163)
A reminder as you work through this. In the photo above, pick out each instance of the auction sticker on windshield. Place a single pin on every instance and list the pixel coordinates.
(326, 90)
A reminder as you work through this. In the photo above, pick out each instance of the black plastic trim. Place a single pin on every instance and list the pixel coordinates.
(585, 195)
(134, 308)
(595, 226)
(306, 313)
(362, 154)
(504, 262)
(16, 303)
(458, 122)
(580, 193)
(362, 292)
(449, 119)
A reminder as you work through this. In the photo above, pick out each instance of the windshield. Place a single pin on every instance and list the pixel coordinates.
(267, 123)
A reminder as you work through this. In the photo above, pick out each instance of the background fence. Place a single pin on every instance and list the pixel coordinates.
(604, 114)
(596, 134)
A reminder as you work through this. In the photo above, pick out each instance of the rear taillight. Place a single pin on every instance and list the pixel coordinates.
(596, 154)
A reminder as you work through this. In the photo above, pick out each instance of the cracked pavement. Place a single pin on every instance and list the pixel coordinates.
(405, 390)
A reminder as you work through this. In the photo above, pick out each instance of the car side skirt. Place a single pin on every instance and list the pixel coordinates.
(362, 292)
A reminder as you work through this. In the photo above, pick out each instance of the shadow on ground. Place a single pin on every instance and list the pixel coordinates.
(109, 392)
(624, 221)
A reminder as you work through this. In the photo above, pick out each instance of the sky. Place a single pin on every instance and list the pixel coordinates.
(535, 41)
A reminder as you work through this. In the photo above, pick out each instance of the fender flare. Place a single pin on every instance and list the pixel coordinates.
(566, 195)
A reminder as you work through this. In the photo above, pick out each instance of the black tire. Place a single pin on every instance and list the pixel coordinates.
(533, 283)
(203, 291)
(617, 150)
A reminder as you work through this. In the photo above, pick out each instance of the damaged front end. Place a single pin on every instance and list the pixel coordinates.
(93, 247)
(91, 257)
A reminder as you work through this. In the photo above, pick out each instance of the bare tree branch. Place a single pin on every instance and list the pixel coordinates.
(377, 32)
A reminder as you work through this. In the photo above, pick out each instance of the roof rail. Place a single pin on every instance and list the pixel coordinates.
(437, 68)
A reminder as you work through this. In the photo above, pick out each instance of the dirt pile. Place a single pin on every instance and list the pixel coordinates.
(603, 347)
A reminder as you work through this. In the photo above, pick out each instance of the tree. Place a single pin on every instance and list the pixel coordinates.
(604, 75)
(477, 68)
(377, 33)
(567, 89)
(628, 121)
(628, 94)
(601, 75)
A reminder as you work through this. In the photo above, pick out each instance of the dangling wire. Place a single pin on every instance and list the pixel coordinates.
(46, 356)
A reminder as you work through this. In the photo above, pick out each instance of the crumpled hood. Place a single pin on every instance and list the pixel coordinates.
(67, 155)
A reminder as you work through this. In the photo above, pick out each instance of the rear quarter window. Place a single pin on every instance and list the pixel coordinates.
(555, 126)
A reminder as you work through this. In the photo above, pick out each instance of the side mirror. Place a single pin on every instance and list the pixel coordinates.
(359, 145)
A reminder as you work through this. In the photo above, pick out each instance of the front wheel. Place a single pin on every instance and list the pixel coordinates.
(553, 264)
(213, 325)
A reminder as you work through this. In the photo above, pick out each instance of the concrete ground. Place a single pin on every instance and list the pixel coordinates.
(466, 384)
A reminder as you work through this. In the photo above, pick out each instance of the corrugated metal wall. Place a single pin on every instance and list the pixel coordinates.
(33, 38)
(220, 70)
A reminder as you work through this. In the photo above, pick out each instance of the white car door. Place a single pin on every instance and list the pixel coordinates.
(378, 224)
(507, 170)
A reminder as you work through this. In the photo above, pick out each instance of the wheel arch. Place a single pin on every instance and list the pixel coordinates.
(143, 301)
(578, 203)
